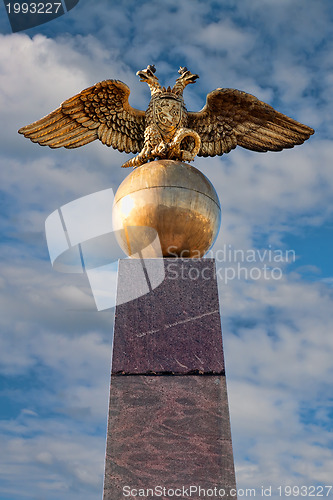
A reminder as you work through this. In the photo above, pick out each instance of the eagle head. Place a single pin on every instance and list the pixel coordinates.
(186, 76)
(148, 75)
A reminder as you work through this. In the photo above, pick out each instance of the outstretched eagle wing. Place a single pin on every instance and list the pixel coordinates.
(98, 112)
(231, 117)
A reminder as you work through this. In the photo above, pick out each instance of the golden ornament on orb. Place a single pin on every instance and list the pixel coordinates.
(174, 199)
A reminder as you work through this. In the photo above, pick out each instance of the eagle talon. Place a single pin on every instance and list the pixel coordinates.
(161, 150)
(187, 156)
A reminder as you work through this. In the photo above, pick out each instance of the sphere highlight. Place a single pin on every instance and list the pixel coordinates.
(169, 199)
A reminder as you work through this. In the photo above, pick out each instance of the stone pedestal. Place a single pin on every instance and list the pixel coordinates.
(168, 430)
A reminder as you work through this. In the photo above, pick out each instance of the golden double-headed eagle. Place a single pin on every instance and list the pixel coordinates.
(166, 130)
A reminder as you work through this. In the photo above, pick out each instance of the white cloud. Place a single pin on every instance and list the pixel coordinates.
(275, 380)
(53, 465)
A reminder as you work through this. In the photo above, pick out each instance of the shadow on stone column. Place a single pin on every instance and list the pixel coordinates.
(168, 430)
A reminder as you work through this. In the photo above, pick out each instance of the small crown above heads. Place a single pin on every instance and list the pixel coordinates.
(148, 75)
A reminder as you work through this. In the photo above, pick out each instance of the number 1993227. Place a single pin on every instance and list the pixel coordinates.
(33, 8)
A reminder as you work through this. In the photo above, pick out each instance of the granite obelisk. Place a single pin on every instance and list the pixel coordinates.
(168, 416)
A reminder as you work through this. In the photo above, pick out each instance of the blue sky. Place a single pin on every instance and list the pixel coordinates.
(55, 347)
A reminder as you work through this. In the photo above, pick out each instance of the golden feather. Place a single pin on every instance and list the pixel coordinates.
(97, 112)
(231, 117)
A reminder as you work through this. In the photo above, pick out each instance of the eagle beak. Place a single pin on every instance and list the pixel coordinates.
(186, 76)
(147, 74)
(142, 75)
(192, 78)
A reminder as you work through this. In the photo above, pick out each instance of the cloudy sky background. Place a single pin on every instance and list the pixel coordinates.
(55, 347)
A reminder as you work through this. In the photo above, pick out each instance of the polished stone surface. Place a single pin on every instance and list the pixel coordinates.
(171, 431)
(176, 327)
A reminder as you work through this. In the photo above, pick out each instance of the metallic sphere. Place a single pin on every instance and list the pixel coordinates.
(170, 199)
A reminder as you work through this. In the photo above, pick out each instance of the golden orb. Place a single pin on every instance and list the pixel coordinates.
(172, 199)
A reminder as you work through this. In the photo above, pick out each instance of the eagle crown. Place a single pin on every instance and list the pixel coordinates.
(148, 75)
